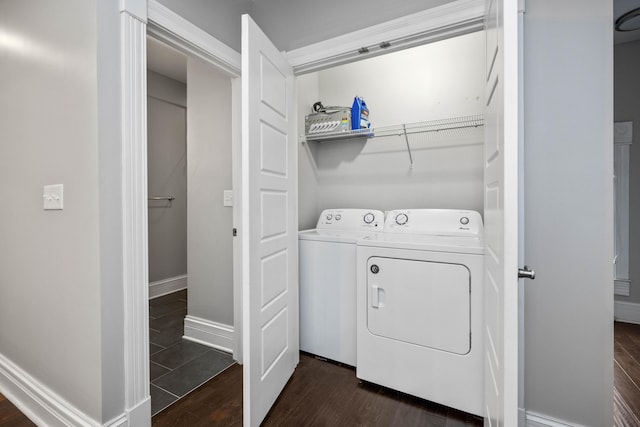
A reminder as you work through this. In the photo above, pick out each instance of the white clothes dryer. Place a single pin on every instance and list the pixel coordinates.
(420, 306)
(327, 272)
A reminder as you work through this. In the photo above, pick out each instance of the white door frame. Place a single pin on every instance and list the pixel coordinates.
(449, 20)
(136, 16)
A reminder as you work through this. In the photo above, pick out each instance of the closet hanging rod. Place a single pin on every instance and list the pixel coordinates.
(167, 198)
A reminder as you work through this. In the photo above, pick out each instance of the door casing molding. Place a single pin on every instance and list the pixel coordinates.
(137, 19)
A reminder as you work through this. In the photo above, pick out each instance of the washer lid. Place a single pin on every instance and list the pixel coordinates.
(339, 236)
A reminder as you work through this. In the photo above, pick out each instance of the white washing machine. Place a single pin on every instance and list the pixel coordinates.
(327, 270)
(420, 306)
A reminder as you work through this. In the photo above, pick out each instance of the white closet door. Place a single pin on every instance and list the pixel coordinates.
(501, 214)
(269, 223)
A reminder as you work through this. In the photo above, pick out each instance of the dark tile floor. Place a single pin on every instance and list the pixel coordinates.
(177, 366)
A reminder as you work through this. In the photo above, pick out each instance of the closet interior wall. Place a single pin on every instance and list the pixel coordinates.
(434, 81)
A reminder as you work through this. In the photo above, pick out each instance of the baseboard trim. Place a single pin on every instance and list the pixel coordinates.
(522, 416)
(139, 415)
(207, 332)
(167, 286)
(539, 420)
(626, 312)
(39, 403)
(621, 287)
(120, 421)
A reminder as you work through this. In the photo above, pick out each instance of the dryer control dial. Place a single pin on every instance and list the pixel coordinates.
(329, 217)
(401, 219)
(464, 220)
(368, 218)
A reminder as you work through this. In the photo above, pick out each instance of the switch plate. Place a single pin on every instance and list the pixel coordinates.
(52, 197)
(227, 198)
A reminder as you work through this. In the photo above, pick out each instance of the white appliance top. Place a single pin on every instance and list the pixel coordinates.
(444, 230)
(435, 222)
(351, 219)
(345, 225)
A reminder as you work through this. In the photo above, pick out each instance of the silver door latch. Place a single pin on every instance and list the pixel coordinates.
(526, 273)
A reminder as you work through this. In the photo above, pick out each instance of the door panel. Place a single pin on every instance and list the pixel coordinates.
(269, 223)
(502, 122)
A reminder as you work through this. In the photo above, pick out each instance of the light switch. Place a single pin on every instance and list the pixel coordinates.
(228, 198)
(52, 197)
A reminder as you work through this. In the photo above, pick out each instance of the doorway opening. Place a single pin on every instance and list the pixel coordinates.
(189, 223)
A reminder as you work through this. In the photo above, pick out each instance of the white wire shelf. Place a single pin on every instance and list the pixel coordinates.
(334, 136)
(454, 126)
(441, 125)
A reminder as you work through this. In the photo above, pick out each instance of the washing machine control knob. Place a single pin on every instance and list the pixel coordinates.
(338, 217)
(464, 220)
(368, 218)
(401, 219)
(375, 269)
(329, 217)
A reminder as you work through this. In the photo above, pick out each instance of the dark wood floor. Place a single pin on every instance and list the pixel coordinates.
(11, 416)
(319, 394)
(323, 394)
(626, 380)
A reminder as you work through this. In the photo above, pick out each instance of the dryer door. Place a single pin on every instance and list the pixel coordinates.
(420, 302)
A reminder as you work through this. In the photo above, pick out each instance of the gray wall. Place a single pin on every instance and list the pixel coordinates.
(167, 171)
(435, 81)
(308, 91)
(60, 276)
(166, 89)
(209, 238)
(627, 108)
(569, 210)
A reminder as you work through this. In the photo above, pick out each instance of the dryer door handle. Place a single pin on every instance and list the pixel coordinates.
(377, 296)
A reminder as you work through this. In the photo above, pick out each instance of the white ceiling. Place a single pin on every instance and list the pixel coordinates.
(166, 61)
(620, 7)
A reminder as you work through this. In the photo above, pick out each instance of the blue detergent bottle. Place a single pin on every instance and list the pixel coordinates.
(359, 114)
